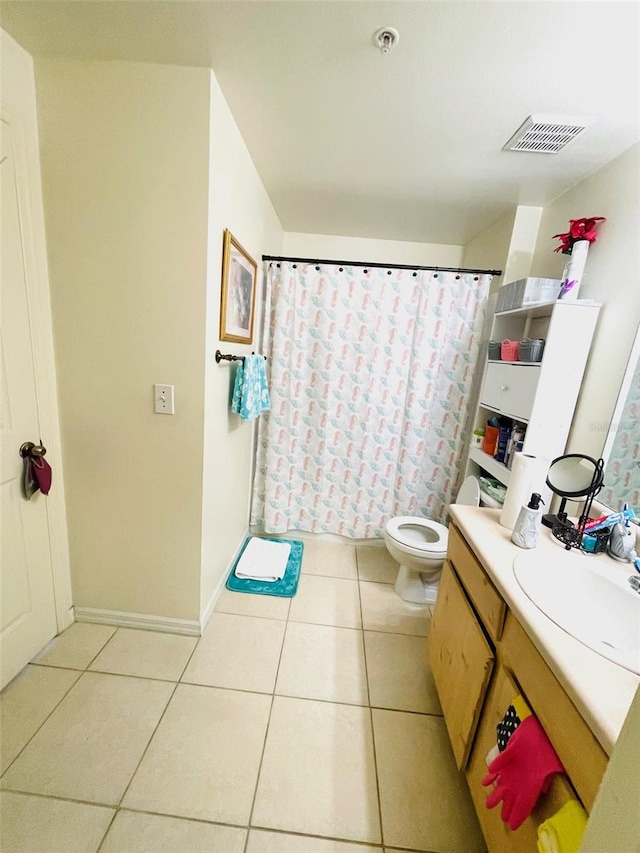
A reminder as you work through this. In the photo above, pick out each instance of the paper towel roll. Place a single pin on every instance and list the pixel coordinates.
(528, 475)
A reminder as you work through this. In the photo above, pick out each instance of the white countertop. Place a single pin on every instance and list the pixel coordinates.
(601, 691)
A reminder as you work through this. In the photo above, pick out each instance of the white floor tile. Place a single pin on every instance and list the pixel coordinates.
(239, 652)
(424, 799)
(318, 773)
(132, 832)
(321, 662)
(203, 760)
(327, 601)
(384, 610)
(39, 824)
(399, 674)
(26, 703)
(147, 654)
(76, 647)
(325, 558)
(91, 744)
(376, 564)
(246, 604)
(262, 841)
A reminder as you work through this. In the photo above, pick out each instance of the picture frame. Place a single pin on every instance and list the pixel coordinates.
(238, 292)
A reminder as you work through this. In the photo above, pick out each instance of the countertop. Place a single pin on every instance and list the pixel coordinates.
(601, 691)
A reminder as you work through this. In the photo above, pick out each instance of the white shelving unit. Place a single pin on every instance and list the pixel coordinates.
(539, 395)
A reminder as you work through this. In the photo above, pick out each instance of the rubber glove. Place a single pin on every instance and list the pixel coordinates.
(522, 772)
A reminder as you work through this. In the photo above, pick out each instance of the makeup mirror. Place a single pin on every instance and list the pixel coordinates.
(576, 477)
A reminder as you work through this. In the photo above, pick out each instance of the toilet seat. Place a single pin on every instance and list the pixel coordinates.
(419, 536)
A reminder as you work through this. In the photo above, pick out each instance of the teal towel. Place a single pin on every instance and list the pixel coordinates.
(250, 391)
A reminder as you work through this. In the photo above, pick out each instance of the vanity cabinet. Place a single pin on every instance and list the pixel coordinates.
(482, 658)
(537, 396)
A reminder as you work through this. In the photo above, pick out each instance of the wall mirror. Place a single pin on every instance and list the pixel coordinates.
(622, 447)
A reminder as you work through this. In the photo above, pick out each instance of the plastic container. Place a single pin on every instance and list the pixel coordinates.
(510, 350)
(476, 438)
(527, 291)
(494, 351)
(531, 350)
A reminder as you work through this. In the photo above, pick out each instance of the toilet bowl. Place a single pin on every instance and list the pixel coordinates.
(420, 546)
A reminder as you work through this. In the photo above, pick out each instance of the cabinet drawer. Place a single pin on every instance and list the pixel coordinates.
(582, 756)
(485, 597)
(499, 838)
(510, 388)
(461, 660)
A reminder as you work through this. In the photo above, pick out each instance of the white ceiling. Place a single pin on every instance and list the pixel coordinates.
(405, 146)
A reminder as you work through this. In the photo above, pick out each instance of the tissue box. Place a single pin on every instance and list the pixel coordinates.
(527, 291)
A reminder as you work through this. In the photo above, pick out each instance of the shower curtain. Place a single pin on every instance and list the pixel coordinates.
(370, 373)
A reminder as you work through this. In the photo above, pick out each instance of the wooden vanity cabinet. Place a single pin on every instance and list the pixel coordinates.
(461, 661)
(481, 659)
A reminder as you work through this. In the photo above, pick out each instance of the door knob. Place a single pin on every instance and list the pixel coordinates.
(31, 449)
(504, 387)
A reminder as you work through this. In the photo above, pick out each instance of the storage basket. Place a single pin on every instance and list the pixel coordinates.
(494, 350)
(531, 350)
(510, 350)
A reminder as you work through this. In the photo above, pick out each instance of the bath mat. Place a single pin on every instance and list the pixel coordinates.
(285, 588)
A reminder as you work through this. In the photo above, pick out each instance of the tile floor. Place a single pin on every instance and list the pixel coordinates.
(308, 725)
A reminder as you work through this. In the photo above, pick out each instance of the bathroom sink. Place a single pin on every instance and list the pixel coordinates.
(588, 598)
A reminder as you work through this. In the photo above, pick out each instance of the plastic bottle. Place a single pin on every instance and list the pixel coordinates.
(527, 527)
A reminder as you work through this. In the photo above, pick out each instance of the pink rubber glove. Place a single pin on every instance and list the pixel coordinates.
(522, 772)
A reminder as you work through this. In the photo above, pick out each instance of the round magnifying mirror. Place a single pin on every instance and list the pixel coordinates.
(574, 475)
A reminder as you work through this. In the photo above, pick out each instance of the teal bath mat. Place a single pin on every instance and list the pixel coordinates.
(284, 588)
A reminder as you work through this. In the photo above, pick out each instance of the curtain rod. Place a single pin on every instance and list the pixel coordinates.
(375, 264)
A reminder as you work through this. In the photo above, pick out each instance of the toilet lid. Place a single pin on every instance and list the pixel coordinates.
(469, 494)
(419, 533)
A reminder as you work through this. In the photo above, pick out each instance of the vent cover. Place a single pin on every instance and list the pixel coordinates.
(546, 134)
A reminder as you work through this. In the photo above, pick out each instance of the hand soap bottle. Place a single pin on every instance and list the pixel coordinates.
(525, 532)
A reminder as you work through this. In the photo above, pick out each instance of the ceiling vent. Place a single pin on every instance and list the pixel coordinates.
(546, 134)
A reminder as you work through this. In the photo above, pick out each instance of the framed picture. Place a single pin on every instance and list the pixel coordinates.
(238, 292)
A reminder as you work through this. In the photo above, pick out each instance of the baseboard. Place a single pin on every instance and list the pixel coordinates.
(122, 619)
(208, 610)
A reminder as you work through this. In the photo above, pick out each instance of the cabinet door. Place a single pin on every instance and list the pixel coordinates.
(499, 838)
(461, 660)
(510, 388)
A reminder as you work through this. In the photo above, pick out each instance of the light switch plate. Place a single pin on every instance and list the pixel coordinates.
(164, 400)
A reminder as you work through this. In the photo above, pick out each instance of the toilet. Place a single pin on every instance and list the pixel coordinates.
(420, 546)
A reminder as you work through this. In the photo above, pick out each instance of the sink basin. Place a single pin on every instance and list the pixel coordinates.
(588, 598)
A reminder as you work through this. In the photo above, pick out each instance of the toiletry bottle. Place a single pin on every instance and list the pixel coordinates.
(525, 532)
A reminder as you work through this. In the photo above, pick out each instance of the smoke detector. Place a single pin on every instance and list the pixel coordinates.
(546, 134)
(386, 38)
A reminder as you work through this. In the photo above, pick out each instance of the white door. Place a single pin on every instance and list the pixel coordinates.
(27, 607)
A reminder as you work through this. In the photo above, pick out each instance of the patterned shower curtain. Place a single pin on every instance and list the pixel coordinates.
(370, 374)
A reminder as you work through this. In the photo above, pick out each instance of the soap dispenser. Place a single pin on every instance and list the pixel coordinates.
(525, 532)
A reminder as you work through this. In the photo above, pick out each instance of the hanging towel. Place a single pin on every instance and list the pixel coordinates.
(263, 560)
(522, 772)
(250, 391)
(563, 831)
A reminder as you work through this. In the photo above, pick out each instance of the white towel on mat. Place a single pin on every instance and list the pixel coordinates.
(263, 560)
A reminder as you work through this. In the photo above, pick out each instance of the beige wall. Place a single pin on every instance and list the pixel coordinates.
(237, 201)
(490, 249)
(125, 178)
(333, 247)
(612, 278)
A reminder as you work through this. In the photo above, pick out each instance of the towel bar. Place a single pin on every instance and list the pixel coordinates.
(221, 357)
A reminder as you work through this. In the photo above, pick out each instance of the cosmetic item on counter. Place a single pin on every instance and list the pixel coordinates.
(527, 526)
(528, 475)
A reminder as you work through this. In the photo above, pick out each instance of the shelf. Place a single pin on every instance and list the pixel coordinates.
(545, 309)
(523, 363)
(490, 464)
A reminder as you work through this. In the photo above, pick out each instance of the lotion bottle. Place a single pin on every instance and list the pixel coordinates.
(527, 527)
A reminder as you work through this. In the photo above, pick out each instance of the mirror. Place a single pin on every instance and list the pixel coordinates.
(622, 447)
